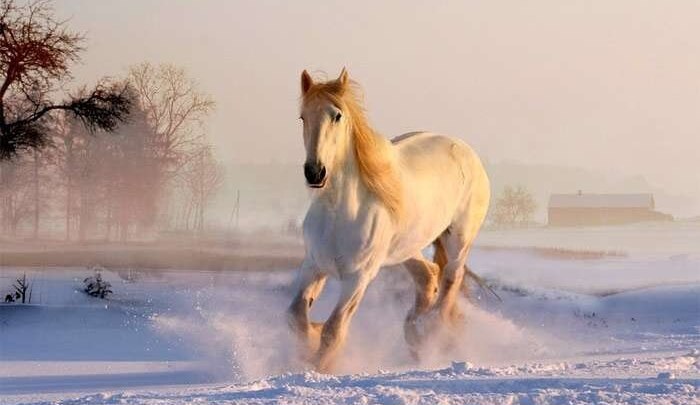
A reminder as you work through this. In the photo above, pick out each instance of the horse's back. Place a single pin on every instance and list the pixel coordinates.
(418, 149)
(446, 183)
(450, 154)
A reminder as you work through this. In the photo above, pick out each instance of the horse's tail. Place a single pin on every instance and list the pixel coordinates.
(440, 258)
(479, 280)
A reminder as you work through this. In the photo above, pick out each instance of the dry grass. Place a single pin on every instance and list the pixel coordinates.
(560, 253)
(245, 255)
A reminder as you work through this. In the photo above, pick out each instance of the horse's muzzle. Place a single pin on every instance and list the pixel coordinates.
(315, 174)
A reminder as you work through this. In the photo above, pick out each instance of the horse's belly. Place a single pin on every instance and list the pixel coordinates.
(410, 244)
(430, 215)
(404, 251)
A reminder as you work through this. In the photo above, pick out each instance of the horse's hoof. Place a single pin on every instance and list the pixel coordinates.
(415, 354)
(323, 365)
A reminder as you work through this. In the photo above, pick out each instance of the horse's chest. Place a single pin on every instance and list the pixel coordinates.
(340, 244)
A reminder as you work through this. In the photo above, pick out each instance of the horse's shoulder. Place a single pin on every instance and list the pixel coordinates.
(422, 148)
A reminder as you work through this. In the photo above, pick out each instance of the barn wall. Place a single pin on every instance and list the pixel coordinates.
(580, 216)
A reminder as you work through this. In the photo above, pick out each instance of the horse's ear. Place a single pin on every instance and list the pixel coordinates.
(306, 81)
(343, 79)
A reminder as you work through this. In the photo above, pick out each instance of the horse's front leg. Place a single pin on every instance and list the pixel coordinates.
(310, 282)
(353, 287)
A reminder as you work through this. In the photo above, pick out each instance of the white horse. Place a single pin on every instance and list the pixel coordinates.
(379, 203)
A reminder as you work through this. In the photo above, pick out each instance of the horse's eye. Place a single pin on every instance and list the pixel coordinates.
(337, 116)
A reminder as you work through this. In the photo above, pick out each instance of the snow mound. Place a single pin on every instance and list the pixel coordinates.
(462, 383)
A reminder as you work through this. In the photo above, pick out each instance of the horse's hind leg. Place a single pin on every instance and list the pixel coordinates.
(310, 283)
(425, 276)
(456, 244)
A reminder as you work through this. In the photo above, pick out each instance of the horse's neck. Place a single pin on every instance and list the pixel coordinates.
(345, 185)
(347, 191)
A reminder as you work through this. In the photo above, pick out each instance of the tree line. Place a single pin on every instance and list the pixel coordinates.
(127, 156)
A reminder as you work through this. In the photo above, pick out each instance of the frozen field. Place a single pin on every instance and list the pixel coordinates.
(612, 329)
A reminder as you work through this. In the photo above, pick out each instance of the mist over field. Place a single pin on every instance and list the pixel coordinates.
(608, 92)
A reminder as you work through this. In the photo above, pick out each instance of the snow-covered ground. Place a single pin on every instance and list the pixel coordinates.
(615, 329)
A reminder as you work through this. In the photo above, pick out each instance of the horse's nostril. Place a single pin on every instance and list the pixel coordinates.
(315, 173)
(309, 171)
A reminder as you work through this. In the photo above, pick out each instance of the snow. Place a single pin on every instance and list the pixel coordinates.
(615, 329)
(641, 239)
(458, 384)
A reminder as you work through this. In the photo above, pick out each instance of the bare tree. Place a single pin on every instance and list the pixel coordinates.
(110, 180)
(42, 170)
(89, 169)
(134, 184)
(66, 143)
(36, 52)
(203, 177)
(15, 193)
(515, 206)
(175, 108)
(23, 191)
(35, 192)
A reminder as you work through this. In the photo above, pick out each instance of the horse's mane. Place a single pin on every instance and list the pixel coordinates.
(373, 153)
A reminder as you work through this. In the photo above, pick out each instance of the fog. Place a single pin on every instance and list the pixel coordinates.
(610, 88)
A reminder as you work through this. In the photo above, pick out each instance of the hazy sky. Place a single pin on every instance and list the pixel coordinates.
(607, 85)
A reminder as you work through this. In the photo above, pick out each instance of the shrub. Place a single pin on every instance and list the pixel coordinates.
(96, 286)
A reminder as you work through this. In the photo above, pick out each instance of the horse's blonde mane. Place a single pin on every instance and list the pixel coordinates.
(373, 153)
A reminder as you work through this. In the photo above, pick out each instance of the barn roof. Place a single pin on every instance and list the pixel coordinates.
(601, 201)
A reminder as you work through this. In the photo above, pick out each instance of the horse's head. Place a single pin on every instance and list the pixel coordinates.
(326, 127)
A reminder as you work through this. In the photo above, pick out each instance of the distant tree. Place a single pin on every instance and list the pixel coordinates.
(43, 169)
(133, 179)
(66, 143)
(515, 206)
(109, 179)
(15, 193)
(174, 107)
(36, 52)
(23, 190)
(36, 195)
(80, 162)
(202, 177)
(84, 169)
